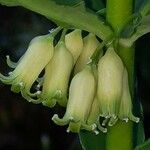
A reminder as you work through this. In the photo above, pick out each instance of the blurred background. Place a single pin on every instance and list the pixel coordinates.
(27, 126)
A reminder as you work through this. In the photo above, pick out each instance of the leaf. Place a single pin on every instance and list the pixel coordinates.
(144, 146)
(145, 8)
(68, 2)
(142, 29)
(66, 16)
(9, 2)
(90, 141)
(95, 4)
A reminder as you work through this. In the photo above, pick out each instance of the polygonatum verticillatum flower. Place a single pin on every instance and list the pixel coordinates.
(30, 65)
(77, 75)
(57, 75)
(81, 96)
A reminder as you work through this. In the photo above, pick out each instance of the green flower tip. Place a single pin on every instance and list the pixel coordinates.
(57, 75)
(113, 90)
(78, 96)
(30, 65)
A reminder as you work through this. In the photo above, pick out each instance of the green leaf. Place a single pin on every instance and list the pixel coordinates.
(144, 146)
(68, 2)
(66, 16)
(95, 4)
(9, 2)
(145, 8)
(90, 141)
(142, 29)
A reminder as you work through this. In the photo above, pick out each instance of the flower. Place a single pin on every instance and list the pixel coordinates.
(125, 111)
(57, 75)
(90, 43)
(81, 94)
(30, 65)
(74, 43)
(110, 77)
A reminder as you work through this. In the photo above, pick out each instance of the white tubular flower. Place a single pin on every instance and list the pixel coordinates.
(90, 43)
(110, 77)
(29, 66)
(125, 111)
(56, 78)
(81, 94)
(74, 43)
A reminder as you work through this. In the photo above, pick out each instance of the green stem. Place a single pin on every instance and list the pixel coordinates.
(120, 136)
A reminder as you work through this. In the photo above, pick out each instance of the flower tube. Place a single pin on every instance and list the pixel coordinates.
(29, 66)
(56, 78)
(110, 77)
(81, 94)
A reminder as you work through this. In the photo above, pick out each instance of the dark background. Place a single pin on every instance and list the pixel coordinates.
(25, 126)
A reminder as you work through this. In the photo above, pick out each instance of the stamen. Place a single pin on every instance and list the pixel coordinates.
(71, 118)
(38, 92)
(96, 132)
(21, 84)
(51, 31)
(105, 121)
(89, 61)
(125, 119)
(67, 130)
(94, 126)
(9, 73)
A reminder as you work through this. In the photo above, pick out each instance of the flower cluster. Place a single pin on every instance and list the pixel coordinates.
(91, 92)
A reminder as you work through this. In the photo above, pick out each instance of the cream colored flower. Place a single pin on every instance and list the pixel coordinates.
(29, 66)
(110, 77)
(81, 94)
(56, 78)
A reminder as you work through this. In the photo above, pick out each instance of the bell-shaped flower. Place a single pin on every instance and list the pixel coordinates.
(81, 94)
(74, 43)
(110, 77)
(30, 65)
(125, 111)
(57, 75)
(90, 43)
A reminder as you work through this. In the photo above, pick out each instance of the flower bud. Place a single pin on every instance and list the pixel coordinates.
(29, 66)
(90, 43)
(81, 94)
(125, 111)
(110, 76)
(74, 43)
(56, 78)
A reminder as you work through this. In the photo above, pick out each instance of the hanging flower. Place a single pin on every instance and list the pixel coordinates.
(125, 111)
(56, 78)
(90, 43)
(81, 94)
(74, 43)
(110, 76)
(29, 66)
